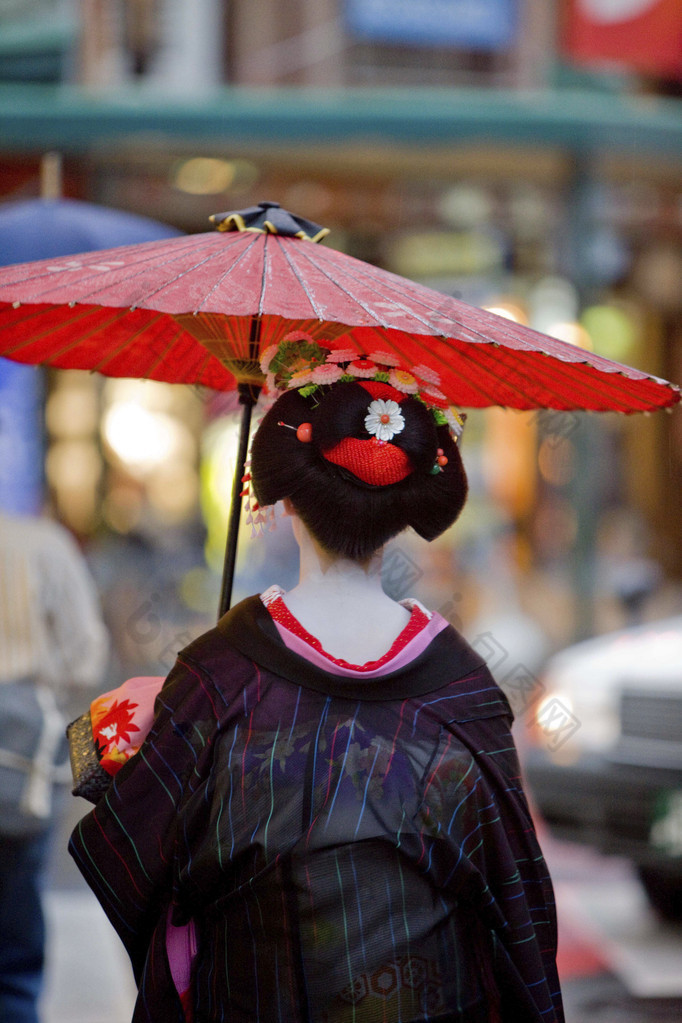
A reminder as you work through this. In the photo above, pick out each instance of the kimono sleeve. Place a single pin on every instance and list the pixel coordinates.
(125, 847)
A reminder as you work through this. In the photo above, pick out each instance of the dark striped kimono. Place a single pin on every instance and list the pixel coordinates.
(350, 850)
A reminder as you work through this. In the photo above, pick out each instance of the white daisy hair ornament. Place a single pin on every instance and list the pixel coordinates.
(384, 418)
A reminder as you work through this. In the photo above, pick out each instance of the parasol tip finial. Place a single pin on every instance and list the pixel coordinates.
(269, 218)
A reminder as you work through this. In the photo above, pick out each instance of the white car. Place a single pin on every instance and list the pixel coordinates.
(604, 765)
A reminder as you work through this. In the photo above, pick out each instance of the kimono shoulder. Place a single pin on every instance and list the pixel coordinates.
(246, 639)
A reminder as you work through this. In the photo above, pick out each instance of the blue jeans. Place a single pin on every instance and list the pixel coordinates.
(22, 926)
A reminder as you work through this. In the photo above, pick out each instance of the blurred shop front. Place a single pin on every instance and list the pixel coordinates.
(576, 517)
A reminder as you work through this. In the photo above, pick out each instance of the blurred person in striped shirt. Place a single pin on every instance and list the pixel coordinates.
(52, 639)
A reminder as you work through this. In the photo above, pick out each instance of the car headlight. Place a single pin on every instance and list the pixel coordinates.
(566, 724)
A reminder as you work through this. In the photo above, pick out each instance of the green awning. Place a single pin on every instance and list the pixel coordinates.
(71, 119)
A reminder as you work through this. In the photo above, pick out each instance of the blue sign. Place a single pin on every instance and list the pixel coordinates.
(21, 438)
(464, 24)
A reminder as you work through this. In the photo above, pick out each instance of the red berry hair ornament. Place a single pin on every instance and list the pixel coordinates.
(304, 432)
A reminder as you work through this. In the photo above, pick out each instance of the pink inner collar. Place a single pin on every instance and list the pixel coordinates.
(415, 637)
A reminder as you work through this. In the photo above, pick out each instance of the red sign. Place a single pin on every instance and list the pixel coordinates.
(645, 35)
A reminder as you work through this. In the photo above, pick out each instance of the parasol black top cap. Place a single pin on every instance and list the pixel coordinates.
(269, 218)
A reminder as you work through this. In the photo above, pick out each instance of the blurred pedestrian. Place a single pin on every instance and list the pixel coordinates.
(326, 822)
(52, 640)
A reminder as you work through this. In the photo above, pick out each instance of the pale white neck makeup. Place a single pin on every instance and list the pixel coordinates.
(341, 602)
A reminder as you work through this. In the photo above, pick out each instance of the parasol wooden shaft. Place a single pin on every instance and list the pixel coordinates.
(247, 400)
(248, 396)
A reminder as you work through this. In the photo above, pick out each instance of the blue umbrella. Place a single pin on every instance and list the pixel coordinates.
(44, 228)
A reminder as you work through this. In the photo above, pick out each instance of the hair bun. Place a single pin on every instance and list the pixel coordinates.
(347, 516)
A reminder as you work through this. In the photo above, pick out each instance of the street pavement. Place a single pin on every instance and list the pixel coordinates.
(88, 977)
(618, 962)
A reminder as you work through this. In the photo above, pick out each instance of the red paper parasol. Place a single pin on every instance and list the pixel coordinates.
(201, 309)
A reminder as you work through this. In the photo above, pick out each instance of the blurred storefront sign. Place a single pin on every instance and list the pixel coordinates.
(644, 35)
(468, 24)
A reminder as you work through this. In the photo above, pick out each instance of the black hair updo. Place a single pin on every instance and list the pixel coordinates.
(345, 515)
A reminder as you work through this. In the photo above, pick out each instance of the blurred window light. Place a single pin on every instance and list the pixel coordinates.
(72, 465)
(140, 438)
(203, 175)
(151, 394)
(72, 412)
(218, 463)
(73, 470)
(612, 331)
(553, 300)
(509, 309)
(572, 333)
(207, 175)
(465, 206)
